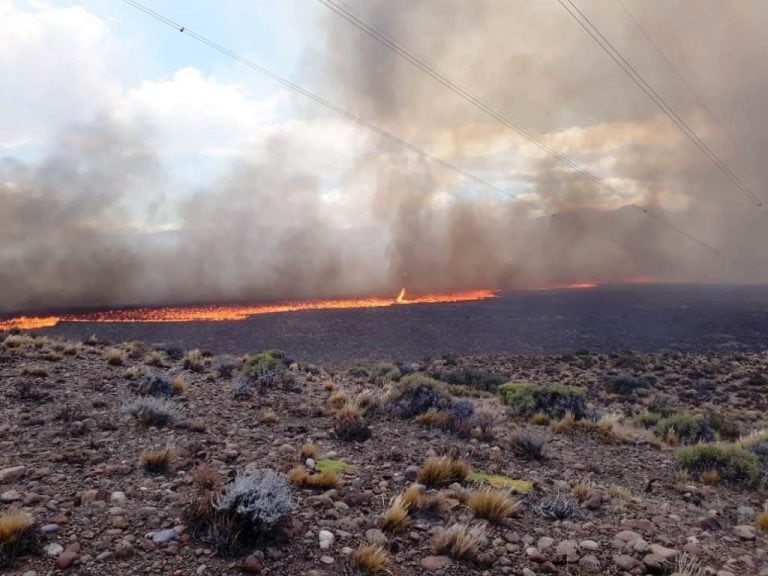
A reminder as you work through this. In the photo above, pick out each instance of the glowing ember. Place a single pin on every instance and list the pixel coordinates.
(214, 312)
(573, 286)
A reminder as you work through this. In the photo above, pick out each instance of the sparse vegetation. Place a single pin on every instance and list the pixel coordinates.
(459, 541)
(416, 394)
(370, 559)
(732, 462)
(554, 400)
(491, 504)
(303, 478)
(557, 508)
(158, 461)
(17, 536)
(687, 428)
(115, 357)
(348, 424)
(194, 361)
(395, 518)
(151, 411)
(528, 446)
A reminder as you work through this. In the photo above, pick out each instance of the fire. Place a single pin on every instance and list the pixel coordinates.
(220, 312)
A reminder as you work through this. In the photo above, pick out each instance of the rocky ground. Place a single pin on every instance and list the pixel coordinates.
(70, 458)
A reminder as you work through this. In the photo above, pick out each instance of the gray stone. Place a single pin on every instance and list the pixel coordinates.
(431, 563)
(164, 536)
(8, 475)
(590, 564)
(53, 549)
(375, 536)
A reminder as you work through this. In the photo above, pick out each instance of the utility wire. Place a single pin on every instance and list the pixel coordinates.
(699, 100)
(348, 14)
(388, 135)
(638, 79)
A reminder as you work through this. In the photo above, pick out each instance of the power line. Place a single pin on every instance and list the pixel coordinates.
(638, 79)
(327, 104)
(348, 14)
(384, 133)
(699, 100)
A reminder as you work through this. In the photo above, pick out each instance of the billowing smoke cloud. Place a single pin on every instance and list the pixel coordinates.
(78, 228)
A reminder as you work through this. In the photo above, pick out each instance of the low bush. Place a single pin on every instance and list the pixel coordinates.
(734, 463)
(442, 471)
(18, 536)
(160, 385)
(242, 389)
(416, 394)
(528, 446)
(552, 399)
(348, 424)
(686, 427)
(623, 384)
(462, 412)
(151, 411)
(472, 378)
(557, 508)
(268, 369)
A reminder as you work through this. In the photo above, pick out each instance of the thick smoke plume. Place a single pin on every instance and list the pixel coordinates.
(265, 230)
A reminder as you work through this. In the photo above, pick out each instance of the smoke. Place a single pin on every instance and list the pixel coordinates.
(87, 226)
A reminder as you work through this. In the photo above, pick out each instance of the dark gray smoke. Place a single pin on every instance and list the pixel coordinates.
(263, 231)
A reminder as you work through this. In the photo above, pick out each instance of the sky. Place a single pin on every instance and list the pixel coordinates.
(124, 143)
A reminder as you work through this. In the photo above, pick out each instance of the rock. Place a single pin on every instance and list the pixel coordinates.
(53, 549)
(590, 564)
(590, 545)
(627, 536)
(326, 538)
(310, 463)
(118, 497)
(49, 528)
(164, 536)
(327, 560)
(744, 532)
(625, 562)
(410, 473)
(252, 565)
(432, 563)
(654, 563)
(8, 475)
(375, 536)
(567, 550)
(10, 496)
(66, 559)
(666, 553)
(545, 542)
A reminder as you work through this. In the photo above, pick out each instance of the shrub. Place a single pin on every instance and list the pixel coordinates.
(459, 541)
(248, 508)
(623, 384)
(689, 428)
(268, 369)
(582, 491)
(726, 429)
(461, 416)
(442, 471)
(528, 446)
(194, 361)
(159, 385)
(484, 419)
(416, 394)
(557, 508)
(309, 450)
(151, 411)
(348, 424)
(18, 536)
(553, 399)
(158, 461)
(434, 419)
(734, 463)
(115, 357)
(242, 389)
(491, 504)
(225, 368)
(370, 558)
(761, 520)
(472, 378)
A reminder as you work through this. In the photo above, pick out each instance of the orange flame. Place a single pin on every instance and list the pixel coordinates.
(217, 312)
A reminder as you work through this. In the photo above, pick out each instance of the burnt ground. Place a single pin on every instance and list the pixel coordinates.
(645, 318)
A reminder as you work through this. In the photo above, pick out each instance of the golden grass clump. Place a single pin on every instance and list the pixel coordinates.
(710, 476)
(395, 518)
(442, 471)
(115, 357)
(338, 399)
(158, 460)
(326, 479)
(566, 424)
(582, 490)
(540, 419)
(154, 358)
(459, 541)
(270, 417)
(619, 492)
(309, 450)
(370, 559)
(179, 384)
(761, 520)
(491, 504)
(329, 385)
(17, 535)
(434, 419)
(194, 361)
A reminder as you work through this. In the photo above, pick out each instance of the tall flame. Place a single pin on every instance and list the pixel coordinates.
(401, 297)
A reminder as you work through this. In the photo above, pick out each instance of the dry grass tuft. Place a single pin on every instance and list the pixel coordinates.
(194, 361)
(710, 476)
(325, 480)
(270, 417)
(410, 498)
(442, 471)
(338, 399)
(370, 559)
(582, 490)
(157, 461)
(395, 518)
(154, 358)
(329, 385)
(491, 504)
(179, 384)
(566, 424)
(115, 357)
(620, 493)
(348, 423)
(309, 450)
(17, 535)
(434, 419)
(540, 419)
(761, 520)
(460, 542)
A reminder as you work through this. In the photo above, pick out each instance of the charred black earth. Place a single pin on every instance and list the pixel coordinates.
(645, 318)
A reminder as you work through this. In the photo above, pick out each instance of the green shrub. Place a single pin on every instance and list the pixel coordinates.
(648, 419)
(552, 399)
(268, 368)
(416, 394)
(689, 428)
(472, 378)
(732, 462)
